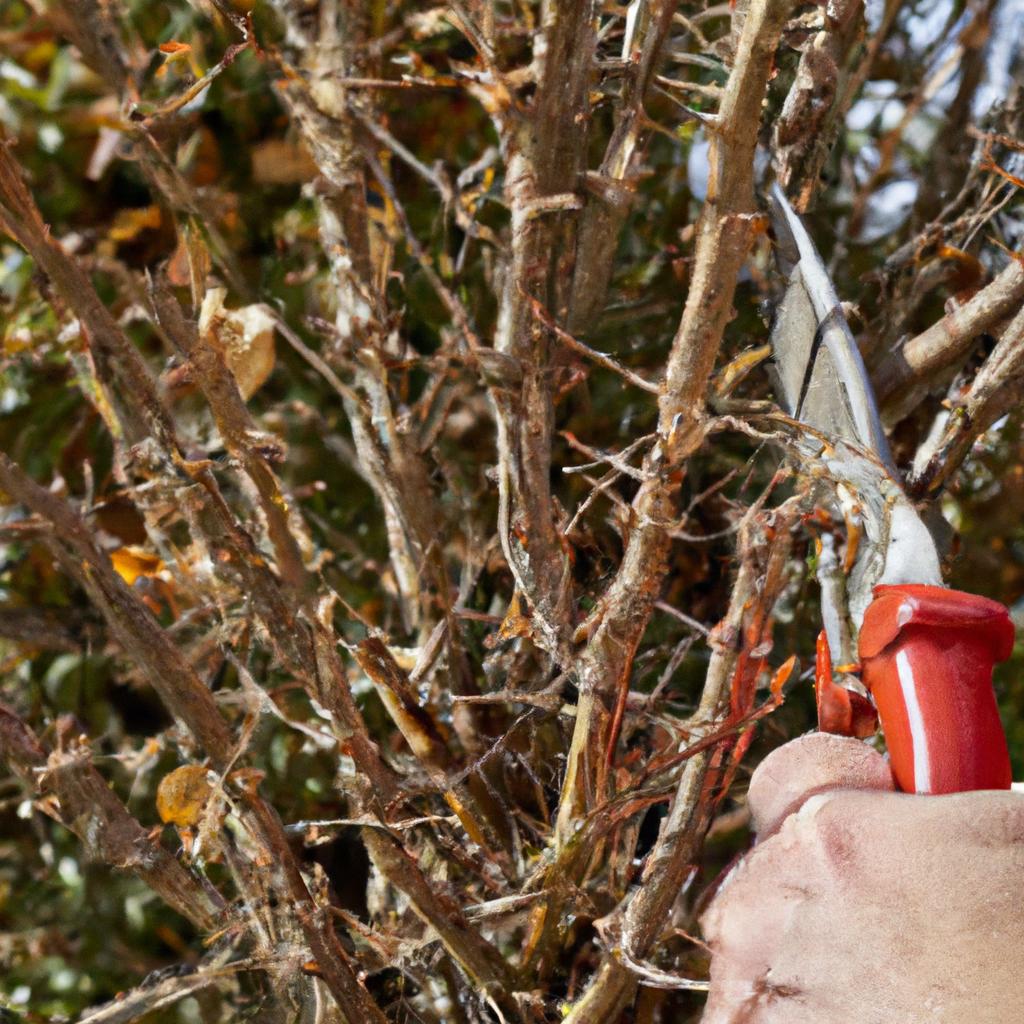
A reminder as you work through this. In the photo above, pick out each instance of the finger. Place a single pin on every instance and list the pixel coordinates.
(889, 876)
(809, 765)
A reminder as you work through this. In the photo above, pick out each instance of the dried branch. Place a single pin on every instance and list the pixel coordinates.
(601, 358)
(119, 364)
(485, 820)
(172, 106)
(813, 113)
(995, 391)
(97, 32)
(160, 992)
(479, 958)
(185, 696)
(237, 430)
(641, 920)
(85, 804)
(325, 116)
(610, 190)
(130, 622)
(543, 153)
(724, 234)
(904, 372)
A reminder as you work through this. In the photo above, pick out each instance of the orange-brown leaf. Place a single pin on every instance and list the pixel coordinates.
(782, 674)
(132, 562)
(182, 795)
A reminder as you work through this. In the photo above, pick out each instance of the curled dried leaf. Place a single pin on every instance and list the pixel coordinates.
(182, 795)
(132, 562)
(246, 336)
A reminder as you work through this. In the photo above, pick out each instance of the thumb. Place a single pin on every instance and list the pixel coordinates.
(811, 764)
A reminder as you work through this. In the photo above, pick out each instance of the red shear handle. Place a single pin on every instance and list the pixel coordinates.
(926, 656)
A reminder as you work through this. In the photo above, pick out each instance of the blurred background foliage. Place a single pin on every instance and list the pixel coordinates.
(74, 933)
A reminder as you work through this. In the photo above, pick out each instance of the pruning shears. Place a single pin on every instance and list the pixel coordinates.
(925, 652)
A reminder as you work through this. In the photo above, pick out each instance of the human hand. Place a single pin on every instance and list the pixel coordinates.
(860, 905)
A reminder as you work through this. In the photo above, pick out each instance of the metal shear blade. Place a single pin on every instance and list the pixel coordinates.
(822, 381)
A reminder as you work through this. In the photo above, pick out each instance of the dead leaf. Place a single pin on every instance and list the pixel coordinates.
(129, 224)
(190, 262)
(182, 795)
(782, 674)
(247, 779)
(175, 52)
(515, 624)
(246, 336)
(279, 162)
(131, 562)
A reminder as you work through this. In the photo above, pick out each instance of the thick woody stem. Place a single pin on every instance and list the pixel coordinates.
(725, 232)
(118, 361)
(333, 49)
(609, 194)
(947, 342)
(185, 696)
(91, 809)
(644, 917)
(544, 155)
(996, 390)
